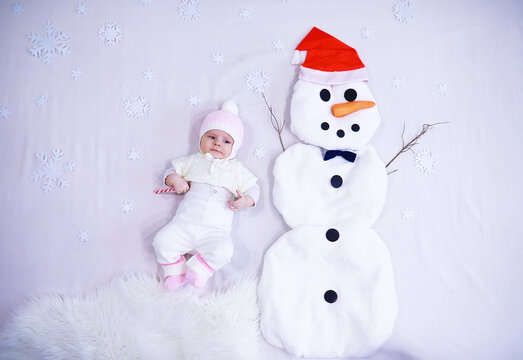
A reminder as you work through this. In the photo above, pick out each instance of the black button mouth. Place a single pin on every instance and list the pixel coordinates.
(355, 127)
(340, 133)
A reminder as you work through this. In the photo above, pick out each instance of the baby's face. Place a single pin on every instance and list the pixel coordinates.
(217, 143)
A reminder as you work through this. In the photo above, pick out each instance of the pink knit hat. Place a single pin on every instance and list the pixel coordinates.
(226, 120)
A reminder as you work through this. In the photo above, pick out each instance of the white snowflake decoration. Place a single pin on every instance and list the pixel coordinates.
(126, 207)
(53, 171)
(426, 161)
(277, 45)
(443, 89)
(190, 10)
(193, 100)
(257, 81)
(81, 8)
(145, 2)
(5, 112)
(259, 153)
(48, 45)
(217, 58)
(367, 33)
(397, 82)
(41, 101)
(407, 214)
(110, 34)
(77, 74)
(17, 8)
(245, 14)
(137, 106)
(84, 236)
(133, 155)
(149, 74)
(404, 11)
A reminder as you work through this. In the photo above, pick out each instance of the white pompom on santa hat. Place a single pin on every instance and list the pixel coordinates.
(327, 60)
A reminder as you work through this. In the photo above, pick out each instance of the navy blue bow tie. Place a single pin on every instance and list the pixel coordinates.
(347, 155)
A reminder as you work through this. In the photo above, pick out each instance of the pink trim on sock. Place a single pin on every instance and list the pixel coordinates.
(181, 259)
(200, 259)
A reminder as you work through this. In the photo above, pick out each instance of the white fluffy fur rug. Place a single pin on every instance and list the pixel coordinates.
(134, 318)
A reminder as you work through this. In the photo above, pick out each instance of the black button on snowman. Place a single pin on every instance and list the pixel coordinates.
(327, 286)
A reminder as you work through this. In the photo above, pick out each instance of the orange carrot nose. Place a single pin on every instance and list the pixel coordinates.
(347, 108)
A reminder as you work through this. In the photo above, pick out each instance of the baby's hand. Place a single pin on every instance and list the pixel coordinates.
(181, 186)
(242, 202)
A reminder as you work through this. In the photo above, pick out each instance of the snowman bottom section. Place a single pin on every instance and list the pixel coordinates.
(327, 292)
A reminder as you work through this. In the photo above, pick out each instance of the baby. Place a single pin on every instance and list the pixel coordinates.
(215, 185)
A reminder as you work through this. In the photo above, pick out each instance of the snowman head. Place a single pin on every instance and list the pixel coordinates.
(334, 116)
(332, 106)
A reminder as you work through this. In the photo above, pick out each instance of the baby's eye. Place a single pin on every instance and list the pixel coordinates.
(212, 137)
(227, 142)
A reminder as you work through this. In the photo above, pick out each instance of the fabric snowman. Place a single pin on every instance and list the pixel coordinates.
(327, 286)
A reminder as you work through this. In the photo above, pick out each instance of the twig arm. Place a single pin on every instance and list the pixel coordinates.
(274, 122)
(414, 141)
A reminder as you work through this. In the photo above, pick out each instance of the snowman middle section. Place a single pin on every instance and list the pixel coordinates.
(310, 190)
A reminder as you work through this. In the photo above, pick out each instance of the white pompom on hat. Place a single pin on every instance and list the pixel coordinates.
(226, 120)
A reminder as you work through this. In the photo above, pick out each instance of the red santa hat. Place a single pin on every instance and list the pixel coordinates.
(327, 60)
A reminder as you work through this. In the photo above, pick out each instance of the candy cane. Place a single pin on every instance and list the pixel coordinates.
(166, 190)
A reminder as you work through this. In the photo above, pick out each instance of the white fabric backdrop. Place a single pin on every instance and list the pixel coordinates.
(454, 233)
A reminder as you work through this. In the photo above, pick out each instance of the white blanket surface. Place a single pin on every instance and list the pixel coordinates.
(133, 317)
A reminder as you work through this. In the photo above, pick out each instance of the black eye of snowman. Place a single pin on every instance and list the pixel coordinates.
(325, 95)
(350, 95)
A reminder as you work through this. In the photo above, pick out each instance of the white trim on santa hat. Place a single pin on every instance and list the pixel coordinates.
(333, 77)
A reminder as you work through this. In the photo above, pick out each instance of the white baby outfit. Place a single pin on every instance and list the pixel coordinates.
(203, 221)
(202, 224)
